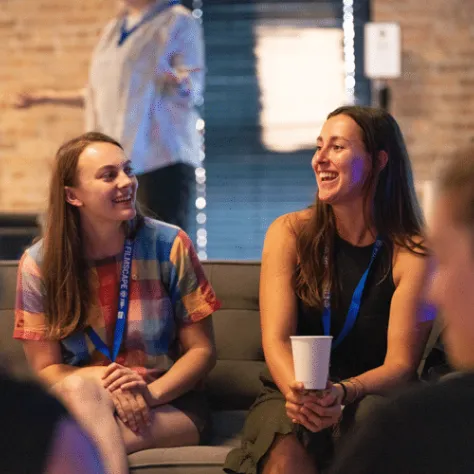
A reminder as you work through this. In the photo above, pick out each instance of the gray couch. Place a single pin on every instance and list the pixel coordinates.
(232, 385)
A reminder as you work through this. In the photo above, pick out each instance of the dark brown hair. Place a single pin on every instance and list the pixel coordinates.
(396, 213)
(65, 269)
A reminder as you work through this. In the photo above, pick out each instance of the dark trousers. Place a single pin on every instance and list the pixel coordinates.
(166, 193)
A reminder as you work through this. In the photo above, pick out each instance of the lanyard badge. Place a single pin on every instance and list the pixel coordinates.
(122, 312)
(354, 307)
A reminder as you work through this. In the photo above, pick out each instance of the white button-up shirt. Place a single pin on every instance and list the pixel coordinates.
(128, 98)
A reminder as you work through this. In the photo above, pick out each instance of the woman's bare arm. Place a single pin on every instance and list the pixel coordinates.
(278, 303)
(199, 357)
(44, 357)
(73, 98)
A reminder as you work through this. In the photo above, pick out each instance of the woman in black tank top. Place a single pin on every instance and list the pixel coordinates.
(354, 357)
(365, 222)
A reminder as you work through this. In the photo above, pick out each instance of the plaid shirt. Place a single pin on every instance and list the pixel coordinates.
(168, 289)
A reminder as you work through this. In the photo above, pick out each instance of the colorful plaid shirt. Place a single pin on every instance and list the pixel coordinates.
(168, 289)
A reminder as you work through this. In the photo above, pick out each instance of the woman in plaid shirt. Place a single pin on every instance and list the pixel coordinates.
(112, 308)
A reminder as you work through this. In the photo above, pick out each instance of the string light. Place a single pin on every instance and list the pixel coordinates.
(200, 172)
(348, 28)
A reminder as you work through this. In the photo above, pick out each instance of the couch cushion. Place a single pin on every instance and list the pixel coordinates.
(438, 327)
(8, 272)
(234, 383)
(236, 283)
(11, 349)
(237, 333)
(186, 460)
(227, 426)
(194, 459)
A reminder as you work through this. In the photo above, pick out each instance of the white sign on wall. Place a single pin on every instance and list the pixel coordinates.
(382, 50)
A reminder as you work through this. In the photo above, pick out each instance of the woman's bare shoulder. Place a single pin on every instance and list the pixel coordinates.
(411, 257)
(282, 234)
(412, 247)
(291, 222)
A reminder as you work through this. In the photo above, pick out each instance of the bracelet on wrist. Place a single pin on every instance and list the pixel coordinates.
(360, 387)
(351, 392)
(355, 390)
(344, 393)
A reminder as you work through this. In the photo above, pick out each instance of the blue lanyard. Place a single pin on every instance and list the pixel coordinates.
(124, 290)
(124, 33)
(354, 307)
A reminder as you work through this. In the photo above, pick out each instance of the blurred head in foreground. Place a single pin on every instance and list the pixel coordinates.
(452, 240)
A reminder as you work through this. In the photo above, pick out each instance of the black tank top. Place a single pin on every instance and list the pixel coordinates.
(365, 347)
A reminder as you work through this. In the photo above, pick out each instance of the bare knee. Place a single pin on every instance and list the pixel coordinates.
(287, 456)
(82, 394)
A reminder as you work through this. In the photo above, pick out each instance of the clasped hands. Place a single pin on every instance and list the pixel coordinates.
(314, 409)
(131, 396)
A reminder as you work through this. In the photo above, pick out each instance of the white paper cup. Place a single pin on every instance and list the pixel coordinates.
(311, 356)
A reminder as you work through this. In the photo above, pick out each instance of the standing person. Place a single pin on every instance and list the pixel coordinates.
(113, 309)
(146, 77)
(429, 429)
(352, 266)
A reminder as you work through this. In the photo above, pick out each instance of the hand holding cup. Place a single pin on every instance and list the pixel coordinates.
(312, 400)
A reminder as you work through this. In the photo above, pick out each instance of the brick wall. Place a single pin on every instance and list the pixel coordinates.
(434, 100)
(47, 44)
(44, 44)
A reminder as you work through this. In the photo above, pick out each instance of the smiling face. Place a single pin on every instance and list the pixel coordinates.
(452, 287)
(341, 162)
(106, 186)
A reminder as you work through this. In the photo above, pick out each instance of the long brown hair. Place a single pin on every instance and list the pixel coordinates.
(396, 212)
(65, 269)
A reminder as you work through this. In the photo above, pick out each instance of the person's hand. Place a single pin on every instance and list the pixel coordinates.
(132, 409)
(119, 377)
(25, 100)
(296, 398)
(177, 73)
(314, 409)
(331, 396)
